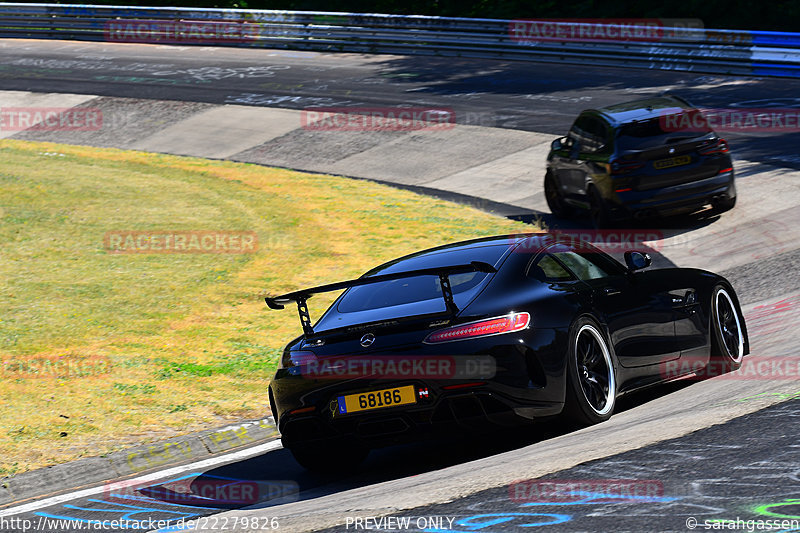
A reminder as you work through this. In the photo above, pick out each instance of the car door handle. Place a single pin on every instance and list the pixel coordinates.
(611, 291)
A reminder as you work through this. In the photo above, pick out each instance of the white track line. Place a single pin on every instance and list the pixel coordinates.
(117, 485)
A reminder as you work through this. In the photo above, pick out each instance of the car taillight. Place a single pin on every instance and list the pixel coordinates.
(291, 359)
(720, 146)
(302, 410)
(620, 166)
(483, 328)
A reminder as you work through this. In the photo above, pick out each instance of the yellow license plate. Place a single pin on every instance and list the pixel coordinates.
(672, 162)
(367, 401)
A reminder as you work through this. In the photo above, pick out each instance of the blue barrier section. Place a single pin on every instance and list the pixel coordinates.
(776, 38)
(781, 71)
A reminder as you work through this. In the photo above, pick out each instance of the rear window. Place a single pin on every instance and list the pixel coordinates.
(423, 291)
(405, 291)
(663, 130)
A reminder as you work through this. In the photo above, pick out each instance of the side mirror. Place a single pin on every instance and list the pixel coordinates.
(562, 143)
(574, 150)
(637, 260)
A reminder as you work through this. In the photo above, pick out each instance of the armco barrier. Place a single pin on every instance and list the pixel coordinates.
(684, 47)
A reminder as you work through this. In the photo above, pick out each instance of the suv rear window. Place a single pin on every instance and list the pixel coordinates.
(662, 130)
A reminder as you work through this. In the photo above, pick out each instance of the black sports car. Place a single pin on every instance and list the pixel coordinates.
(492, 332)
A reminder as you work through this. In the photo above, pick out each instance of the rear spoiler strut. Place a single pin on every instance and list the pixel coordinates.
(444, 273)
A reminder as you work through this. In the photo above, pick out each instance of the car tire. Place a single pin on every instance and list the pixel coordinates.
(554, 199)
(329, 458)
(727, 335)
(598, 211)
(591, 375)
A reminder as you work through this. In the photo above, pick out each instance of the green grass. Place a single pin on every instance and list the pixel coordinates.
(185, 340)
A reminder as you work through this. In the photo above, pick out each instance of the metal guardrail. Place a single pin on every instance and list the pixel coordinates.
(735, 52)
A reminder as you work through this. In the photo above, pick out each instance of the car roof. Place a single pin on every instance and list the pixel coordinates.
(496, 240)
(642, 109)
(534, 243)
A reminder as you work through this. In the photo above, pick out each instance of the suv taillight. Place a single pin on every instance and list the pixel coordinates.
(621, 166)
(482, 328)
(720, 146)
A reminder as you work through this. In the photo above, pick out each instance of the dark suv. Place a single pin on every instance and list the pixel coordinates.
(639, 159)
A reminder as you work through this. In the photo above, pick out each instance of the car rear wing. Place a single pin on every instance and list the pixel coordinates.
(444, 273)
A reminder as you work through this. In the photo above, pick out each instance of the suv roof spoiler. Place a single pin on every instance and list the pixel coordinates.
(668, 94)
(300, 297)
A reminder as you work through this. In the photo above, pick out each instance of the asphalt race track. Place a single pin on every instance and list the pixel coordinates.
(745, 467)
(501, 94)
(701, 479)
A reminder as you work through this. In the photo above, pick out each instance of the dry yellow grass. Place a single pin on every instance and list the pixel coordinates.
(186, 339)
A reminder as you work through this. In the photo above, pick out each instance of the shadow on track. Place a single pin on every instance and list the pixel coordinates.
(276, 474)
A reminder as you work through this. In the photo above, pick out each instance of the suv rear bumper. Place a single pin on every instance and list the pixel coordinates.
(675, 199)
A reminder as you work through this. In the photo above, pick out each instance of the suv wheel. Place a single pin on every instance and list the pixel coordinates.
(554, 199)
(724, 205)
(598, 210)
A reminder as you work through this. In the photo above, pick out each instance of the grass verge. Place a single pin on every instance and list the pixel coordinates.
(158, 344)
